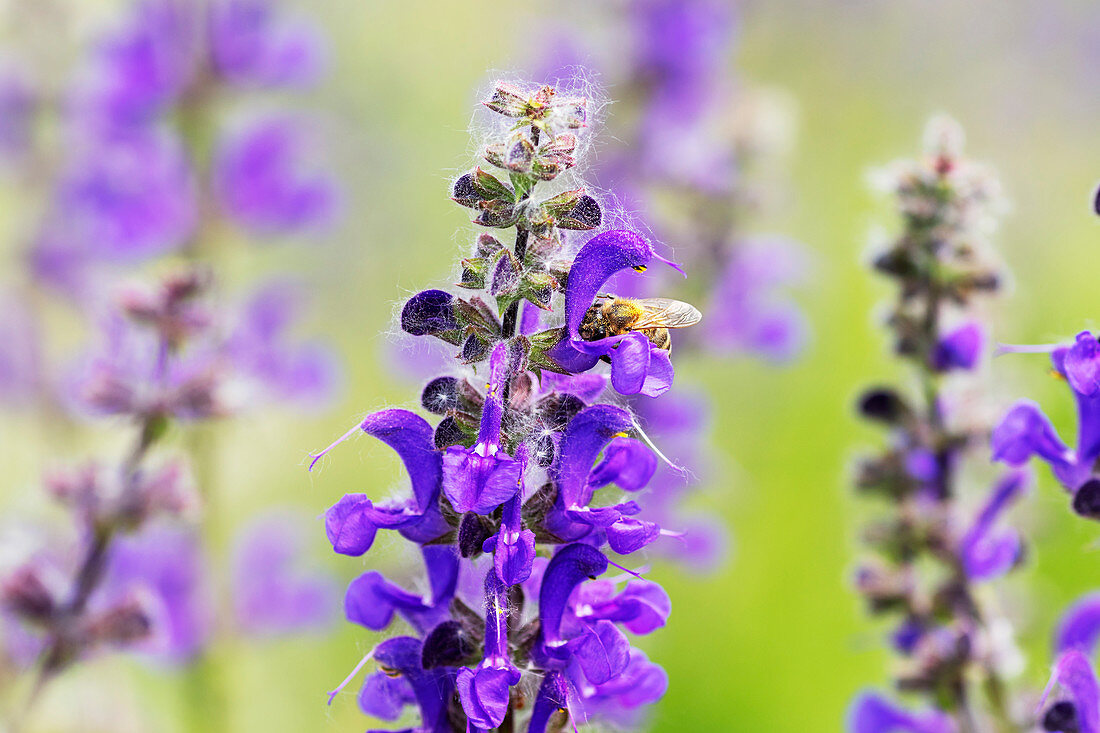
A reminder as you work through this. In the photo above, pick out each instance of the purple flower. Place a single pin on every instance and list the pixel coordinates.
(352, 522)
(305, 375)
(987, 553)
(266, 181)
(1079, 627)
(1078, 709)
(252, 45)
(481, 478)
(749, 310)
(595, 430)
(1025, 431)
(163, 568)
(872, 713)
(372, 600)
(125, 198)
(430, 689)
(637, 366)
(274, 592)
(139, 71)
(960, 349)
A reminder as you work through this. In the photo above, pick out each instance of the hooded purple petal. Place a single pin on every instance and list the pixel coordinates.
(553, 696)
(1080, 626)
(1075, 675)
(570, 566)
(986, 554)
(1026, 431)
(585, 436)
(432, 688)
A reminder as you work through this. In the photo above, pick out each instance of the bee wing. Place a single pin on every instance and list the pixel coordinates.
(666, 313)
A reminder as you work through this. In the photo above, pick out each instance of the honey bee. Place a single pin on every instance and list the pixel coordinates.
(653, 317)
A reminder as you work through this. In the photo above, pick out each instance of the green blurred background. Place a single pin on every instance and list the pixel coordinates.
(775, 640)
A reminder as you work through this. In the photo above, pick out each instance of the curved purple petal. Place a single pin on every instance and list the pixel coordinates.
(432, 688)
(1026, 431)
(570, 566)
(348, 525)
(585, 436)
(1082, 364)
(414, 441)
(553, 697)
(630, 363)
(1080, 626)
(600, 258)
(372, 600)
(642, 607)
(984, 554)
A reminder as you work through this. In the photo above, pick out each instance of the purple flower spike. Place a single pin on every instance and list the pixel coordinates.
(250, 44)
(960, 349)
(872, 713)
(636, 365)
(1080, 626)
(482, 478)
(265, 179)
(1081, 710)
(986, 554)
(570, 566)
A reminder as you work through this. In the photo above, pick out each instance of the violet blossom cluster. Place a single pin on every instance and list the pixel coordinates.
(151, 167)
(929, 555)
(516, 478)
(1071, 701)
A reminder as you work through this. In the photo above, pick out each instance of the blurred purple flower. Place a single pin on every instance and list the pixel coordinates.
(749, 310)
(872, 713)
(251, 44)
(276, 589)
(141, 69)
(124, 198)
(267, 181)
(305, 375)
(164, 567)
